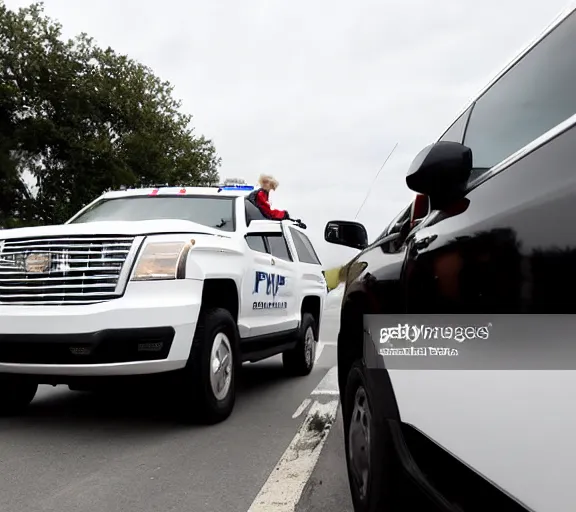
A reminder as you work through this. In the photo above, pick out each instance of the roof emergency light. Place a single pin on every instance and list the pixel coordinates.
(237, 187)
(235, 184)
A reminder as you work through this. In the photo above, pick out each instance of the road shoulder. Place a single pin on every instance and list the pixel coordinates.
(327, 487)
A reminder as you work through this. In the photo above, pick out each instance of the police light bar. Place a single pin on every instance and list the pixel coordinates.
(237, 187)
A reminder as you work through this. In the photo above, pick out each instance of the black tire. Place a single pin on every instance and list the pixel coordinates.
(377, 495)
(197, 400)
(16, 394)
(300, 360)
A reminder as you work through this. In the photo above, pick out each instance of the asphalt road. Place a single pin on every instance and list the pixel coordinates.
(84, 453)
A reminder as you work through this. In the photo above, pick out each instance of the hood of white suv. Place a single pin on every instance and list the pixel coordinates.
(145, 227)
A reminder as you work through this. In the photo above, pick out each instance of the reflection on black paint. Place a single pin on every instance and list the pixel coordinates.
(488, 273)
(553, 282)
(455, 209)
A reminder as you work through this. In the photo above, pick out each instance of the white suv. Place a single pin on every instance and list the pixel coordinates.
(183, 284)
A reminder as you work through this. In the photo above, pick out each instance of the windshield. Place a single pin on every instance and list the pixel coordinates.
(215, 212)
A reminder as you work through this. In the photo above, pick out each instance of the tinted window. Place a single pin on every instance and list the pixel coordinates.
(531, 98)
(397, 223)
(456, 132)
(215, 212)
(252, 213)
(278, 247)
(304, 248)
(256, 243)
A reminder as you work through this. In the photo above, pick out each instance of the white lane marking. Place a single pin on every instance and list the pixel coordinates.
(284, 486)
(301, 408)
(329, 384)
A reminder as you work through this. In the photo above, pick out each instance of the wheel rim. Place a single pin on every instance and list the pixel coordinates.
(359, 442)
(221, 366)
(309, 346)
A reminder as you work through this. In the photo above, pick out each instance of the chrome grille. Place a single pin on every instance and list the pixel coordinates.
(62, 270)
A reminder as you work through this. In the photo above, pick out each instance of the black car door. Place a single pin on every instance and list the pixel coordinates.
(381, 263)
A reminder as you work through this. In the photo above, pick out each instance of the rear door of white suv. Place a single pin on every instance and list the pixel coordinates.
(310, 279)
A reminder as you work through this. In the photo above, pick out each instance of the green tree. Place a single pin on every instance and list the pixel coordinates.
(79, 120)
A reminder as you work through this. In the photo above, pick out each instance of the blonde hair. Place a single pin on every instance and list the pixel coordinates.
(267, 181)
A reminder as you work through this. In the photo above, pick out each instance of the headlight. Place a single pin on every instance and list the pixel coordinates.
(162, 260)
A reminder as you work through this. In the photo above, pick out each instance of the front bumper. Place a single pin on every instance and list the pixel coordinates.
(148, 330)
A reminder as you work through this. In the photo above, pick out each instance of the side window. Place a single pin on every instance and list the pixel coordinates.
(396, 224)
(456, 132)
(278, 247)
(532, 97)
(304, 248)
(256, 243)
(401, 226)
(252, 213)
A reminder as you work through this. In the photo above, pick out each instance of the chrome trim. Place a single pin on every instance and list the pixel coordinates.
(84, 269)
(183, 260)
(58, 286)
(549, 29)
(52, 303)
(79, 294)
(118, 240)
(129, 264)
(103, 258)
(551, 134)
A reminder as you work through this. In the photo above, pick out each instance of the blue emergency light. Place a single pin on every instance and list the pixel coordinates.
(237, 187)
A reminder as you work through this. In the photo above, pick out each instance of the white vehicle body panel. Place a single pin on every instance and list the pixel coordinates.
(161, 303)
(526, 443)
(113, 227)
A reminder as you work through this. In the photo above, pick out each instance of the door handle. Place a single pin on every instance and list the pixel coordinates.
(272, 261)
(423, 243)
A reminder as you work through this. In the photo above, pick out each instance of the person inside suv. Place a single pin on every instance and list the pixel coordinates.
(260, 198)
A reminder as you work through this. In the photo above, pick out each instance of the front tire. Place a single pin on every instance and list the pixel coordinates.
(300, 360)
(16, 394)
(206, 386)
(368, 455)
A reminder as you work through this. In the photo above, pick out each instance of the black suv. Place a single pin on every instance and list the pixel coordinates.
(491, 232)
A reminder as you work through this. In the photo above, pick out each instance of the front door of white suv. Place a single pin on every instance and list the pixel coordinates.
(286, 291)
(268, 286)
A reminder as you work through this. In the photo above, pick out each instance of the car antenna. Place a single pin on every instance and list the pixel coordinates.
(377, 174)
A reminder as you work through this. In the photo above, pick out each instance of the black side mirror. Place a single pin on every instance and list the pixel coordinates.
(441, 171)
(350, 234)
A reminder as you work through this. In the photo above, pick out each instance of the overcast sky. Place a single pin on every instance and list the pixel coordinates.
(317, 92)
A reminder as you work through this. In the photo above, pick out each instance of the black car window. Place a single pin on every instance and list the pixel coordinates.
(304, 248)
(400, 226)
(278, 247)
(256, 243)
(532, 97)
(396, 225)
